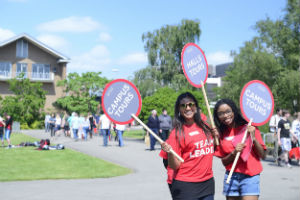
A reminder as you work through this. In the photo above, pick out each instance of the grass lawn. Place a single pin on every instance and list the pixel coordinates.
(137, 134)
(26, 163)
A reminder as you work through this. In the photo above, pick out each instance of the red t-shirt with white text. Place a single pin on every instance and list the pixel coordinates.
(197, 152)
(250, 167)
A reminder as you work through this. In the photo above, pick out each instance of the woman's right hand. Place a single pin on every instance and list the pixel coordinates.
(166, 147)
(239, 148)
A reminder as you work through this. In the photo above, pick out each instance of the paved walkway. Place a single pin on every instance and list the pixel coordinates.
(148, 181)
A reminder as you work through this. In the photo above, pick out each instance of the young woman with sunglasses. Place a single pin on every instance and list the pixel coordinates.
(244, 183)
(191, 139)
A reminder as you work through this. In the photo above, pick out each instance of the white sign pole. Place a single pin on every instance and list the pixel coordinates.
(156, 137)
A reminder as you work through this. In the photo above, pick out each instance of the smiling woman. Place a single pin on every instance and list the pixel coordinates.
(191, 138)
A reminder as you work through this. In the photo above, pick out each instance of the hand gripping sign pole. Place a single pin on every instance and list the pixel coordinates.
(195, 69)
(122, 103)
(257, 104)
(237, 156)
(156, 137)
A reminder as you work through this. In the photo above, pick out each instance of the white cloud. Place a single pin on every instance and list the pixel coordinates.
(53, 41)
(6, 34)
(134, 58)
(97, 59)
(218, 57)
(104, 37)
(71, 24)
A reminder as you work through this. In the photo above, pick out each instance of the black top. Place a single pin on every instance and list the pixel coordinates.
(91, 119)
(285, 126)
(9, 122)
(153, 122)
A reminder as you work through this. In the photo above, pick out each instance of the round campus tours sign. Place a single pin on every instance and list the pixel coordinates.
(194, 64)
(120, 99)
(257, 102)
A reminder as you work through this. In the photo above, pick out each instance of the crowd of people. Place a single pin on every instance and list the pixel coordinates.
(192, 139)
(83, 127)
(286, 136)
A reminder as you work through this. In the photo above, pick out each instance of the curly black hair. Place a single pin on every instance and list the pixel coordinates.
(238, 118)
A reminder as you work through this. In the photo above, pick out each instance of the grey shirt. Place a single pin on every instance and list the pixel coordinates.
(165, 122)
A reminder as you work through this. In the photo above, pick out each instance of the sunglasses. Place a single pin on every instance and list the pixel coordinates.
(185, 105)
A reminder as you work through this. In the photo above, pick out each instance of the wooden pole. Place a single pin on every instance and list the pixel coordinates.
(156, 137)
(208, 109)
(237, 155)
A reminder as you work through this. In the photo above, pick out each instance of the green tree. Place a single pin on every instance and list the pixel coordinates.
(273, 57)
(165, 98)
(28, 101)
(81, 92)
(164, 47)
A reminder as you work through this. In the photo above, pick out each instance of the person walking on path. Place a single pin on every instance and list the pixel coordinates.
(2, 130)
(245, 181)
(92, 124)
(86, 126)
(58, 122)
(120, 128)
(296, 127)
(153, 124)
(47, 125)
(284, 140)
(75, 125)
(8, 128)
(273, 125)
(66, 126)
(191, 139)
(165, 124)
(104, 124)
(52, 125)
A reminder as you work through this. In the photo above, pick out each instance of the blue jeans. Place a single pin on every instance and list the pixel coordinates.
(47, 127)
(86, 131)
(75, 133)
(105, 133)
(120, 137)
(7, 134)
(152, 139)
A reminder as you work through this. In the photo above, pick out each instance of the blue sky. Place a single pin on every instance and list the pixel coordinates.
(106, 35)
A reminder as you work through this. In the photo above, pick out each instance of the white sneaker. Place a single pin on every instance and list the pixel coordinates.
(288, 166)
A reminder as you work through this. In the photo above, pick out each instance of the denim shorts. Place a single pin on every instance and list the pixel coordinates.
(241, 185)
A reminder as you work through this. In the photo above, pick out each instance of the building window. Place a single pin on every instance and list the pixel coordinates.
(41, 71)
(22, 68)
(5, 69)
(22, 49)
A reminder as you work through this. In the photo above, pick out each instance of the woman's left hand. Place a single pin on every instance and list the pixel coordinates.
(251, 130)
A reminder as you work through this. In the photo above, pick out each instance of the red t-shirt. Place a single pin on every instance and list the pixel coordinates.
(197, 152)
(252, 166)
(1, 122)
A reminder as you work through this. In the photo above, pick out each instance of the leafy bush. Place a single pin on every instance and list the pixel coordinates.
(37, 124)
(166, 98)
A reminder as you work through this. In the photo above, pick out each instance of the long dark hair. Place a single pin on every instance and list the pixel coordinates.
(238, 118)
(179, 120)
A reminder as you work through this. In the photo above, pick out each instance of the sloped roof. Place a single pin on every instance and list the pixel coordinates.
(60, 56)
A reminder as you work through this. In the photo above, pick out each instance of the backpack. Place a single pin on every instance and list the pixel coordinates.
(44, 144)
